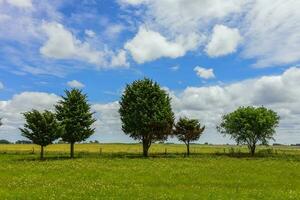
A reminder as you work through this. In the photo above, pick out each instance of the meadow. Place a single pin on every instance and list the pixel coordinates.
(118, 171)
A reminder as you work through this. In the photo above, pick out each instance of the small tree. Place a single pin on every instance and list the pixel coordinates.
(41, 128)
(75, 114)
(3, 141)
(146, 113)
(188, 130)
(250, 125)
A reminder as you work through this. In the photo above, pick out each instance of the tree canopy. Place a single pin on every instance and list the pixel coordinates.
(146, 112)
(250, 125)
(74, 112)
(41, 128)
(188, 130)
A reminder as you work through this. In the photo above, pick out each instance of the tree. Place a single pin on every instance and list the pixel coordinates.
(74, 112)
(188, 130)
(3, 141)
(146, 113)
(250, 125)
(41, 128)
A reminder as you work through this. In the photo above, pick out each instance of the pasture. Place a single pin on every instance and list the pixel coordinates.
(118, 171)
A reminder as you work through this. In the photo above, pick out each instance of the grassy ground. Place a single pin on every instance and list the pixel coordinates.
(118, 172)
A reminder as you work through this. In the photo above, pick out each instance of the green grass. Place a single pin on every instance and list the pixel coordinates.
(212, 172)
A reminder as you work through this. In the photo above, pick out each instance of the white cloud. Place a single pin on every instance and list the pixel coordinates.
(271, 30)
(20, 3)
(148, 45)
(45, 70)
(119, 59)
(185, 24)
(113, 30)
(75, 84)
(186, 16)
(224, 41)
(1, 85)
(59, 36)
(108, 118)
(108, 127)
(278, 92)
(175, 68)
(204, 73)
(11, 110)
(90, 33)
(61, 44)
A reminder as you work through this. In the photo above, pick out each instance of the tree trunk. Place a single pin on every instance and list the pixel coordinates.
(146, 146)
(42, 152)
(188, 148)
(72, 150)
(252, 149)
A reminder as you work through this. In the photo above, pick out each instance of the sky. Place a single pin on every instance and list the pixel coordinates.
(211, 56)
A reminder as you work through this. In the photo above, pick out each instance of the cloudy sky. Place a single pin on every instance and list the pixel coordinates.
(210, 55)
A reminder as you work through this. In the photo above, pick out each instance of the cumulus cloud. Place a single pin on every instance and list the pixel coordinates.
(61, 44)
(73, 48)
(11, 110)
(278, 92)
(269, 28)
(148, 45)
(108, 118)
(107, 126)
(185, 23)
(75, 84)
(204, 73)
(119, 59)
(20, 20)
(224, 40)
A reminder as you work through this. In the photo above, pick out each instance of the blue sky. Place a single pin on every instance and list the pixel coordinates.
(211, 56)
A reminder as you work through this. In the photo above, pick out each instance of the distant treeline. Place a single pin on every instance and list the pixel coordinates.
(3, 141)
(17, 142)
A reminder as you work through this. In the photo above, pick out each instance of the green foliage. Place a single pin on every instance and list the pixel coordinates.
(146, 112)
(41, 128)
(5, 142)
(75, 114)
(23, 142)
(188, 130)
(250, 125)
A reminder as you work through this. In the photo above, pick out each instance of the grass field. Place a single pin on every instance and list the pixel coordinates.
(117, 171)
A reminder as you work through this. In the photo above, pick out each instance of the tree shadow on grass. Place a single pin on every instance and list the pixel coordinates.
(54, 158)
(259, 155)
(125, 155)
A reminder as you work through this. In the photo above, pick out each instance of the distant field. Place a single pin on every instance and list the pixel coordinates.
(117, 171)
